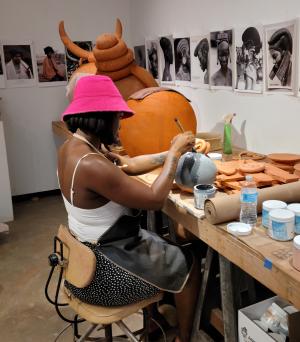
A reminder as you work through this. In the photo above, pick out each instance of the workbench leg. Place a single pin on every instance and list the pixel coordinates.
(196, 332)
(228, 301)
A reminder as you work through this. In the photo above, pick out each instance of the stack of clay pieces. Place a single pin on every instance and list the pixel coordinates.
(231, 174)
(284, 161)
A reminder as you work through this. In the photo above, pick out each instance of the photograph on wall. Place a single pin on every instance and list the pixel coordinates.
(182, 60)
(2, 83)
(220, 66)
(51, 65)
(200, 61)
(73, 62)
(249, 59)
(18, 65)
(140, 55)
(167, 62)
(152, 58)
(280, 56)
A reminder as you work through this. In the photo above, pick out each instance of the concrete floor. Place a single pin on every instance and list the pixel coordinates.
(25, 314)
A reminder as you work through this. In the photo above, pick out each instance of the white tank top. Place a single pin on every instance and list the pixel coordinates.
(87, 225)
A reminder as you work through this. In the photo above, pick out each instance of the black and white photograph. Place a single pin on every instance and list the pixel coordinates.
(167, 61)
(51, 65)
(249, 59)
(140, 55)
(182, 59)
(200, 61)
(19, 65)
(220, 66)
(280, 56)
(73, 62)
(152, 58)
(2, 83)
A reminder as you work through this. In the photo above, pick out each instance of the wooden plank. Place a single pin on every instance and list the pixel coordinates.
(216, 320)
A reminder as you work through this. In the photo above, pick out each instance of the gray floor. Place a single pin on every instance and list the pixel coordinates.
(25, 314)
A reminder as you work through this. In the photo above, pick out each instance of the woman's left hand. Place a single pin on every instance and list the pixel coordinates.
(122, 162)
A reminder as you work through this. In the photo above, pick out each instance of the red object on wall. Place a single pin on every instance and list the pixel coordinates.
(153, 127)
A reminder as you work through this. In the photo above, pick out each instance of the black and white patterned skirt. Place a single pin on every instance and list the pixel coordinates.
(112, 285)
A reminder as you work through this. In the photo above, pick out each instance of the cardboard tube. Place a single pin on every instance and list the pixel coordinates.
(227, 208)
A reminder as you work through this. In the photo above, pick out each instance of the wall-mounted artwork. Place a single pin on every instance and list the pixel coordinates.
(182, 59)
(152, 60)
(221, 59)
(200, 61)
(280, 56)
(19, 65)
(249, 59)
(51, 66)
(73, 62)
(2, 83)
(167, 60)
(140, 55)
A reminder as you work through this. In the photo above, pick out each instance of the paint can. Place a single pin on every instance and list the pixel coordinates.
(201, 193)
(267, 206)
(296, 253)
(295, 208)
(281, 224)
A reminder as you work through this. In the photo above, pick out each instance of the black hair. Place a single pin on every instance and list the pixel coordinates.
(48, 49)
(14, 52)
(100, 124)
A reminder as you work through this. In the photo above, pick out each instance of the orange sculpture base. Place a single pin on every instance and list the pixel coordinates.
(152, 127)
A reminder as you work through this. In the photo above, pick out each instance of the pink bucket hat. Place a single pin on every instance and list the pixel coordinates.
(96, 93)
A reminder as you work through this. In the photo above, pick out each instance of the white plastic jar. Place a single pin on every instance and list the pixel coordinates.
(295, 208)
(296, 253)
(281, 224)
(267, 206)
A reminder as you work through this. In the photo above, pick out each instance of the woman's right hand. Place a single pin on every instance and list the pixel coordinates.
(183, 143)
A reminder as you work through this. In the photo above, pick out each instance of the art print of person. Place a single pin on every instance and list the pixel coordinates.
(182, 59)
(139, 55)
(52, 70)
(153, 59)
(17, 67)
(249, 60)
(73, 62)
(280, 46)
(202, 52)
(223, 76)
(1, 69)
(166, 46)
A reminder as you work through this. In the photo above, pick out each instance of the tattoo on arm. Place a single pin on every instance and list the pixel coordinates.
(158, 159)
(173, 167)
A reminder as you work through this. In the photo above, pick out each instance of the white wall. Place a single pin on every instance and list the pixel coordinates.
(27, 113)
(270, 122)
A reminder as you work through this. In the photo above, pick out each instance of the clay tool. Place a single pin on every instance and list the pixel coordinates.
(179, 125)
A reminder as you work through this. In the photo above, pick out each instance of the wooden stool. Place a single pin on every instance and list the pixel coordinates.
(78, 264)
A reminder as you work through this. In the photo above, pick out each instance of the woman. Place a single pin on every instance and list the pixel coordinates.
(132, 263)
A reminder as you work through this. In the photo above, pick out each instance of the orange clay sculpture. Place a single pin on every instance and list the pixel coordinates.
(111, 57)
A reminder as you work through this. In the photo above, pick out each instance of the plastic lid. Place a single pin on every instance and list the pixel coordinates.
(297, 241)
(283, 215)
(239, 228)
(295, 207)
(274, 204)
(249, 178)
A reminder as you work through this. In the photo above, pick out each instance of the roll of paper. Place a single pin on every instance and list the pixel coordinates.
(227, 208)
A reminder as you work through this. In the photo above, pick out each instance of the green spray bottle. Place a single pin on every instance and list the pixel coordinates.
(227, 139)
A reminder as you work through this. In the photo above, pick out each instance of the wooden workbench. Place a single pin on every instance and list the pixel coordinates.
(263, 258)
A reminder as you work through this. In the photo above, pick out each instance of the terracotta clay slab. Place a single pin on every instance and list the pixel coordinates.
(280, 175)
(297, 167)
(285, 167)
(285, 158)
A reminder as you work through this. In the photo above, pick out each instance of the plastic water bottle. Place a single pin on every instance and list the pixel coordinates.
(249, 194)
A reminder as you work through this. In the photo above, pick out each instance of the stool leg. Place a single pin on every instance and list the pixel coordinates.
(88, 332)
(146, 323)
(108, 333)
(125, 329)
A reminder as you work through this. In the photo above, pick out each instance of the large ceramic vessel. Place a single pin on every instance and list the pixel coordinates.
(194, 168)
(152, 127)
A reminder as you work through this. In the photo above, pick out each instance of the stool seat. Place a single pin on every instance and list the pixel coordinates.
(107, 315)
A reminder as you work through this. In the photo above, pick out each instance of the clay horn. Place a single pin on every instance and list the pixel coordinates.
(119, 29)
(75, 49)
